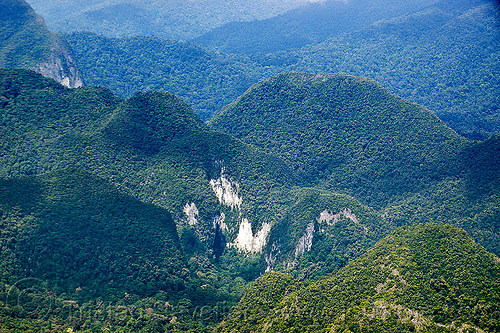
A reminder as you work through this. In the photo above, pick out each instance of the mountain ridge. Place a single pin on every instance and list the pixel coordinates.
(27, 43)
(305, 25)
(230, 200)
(178, 20)
(412, 280)
(332, 113)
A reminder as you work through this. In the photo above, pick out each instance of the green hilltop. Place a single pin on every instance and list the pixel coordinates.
(348, 131)
(443, 56)
(425, 278)
(150, 217)
(151, 146)
(350, 135)
(337, 163)
(47, 126)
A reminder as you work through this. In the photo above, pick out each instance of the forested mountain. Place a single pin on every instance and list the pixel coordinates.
(350, 135)
(79, 254)
(151, 145)
(179, 20)
(347, 130)
(425, 278)
(310, 24)
(218, 190)
(238, 211)
(444, 57)
(205, 79)
(25, 42)
(122, 210)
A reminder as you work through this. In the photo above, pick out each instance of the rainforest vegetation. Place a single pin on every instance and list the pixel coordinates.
(333, 168)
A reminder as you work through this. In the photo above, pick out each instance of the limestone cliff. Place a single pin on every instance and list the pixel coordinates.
(60, 65)
(26, 42)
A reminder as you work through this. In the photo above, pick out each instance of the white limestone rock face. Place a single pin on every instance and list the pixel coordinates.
(26, 31)
(331, 219)
(226, 191)
(191, 212)
(305, 242)
(249, 242)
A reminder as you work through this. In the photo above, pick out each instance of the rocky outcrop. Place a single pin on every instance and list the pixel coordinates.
(26, 42)
(61, 65)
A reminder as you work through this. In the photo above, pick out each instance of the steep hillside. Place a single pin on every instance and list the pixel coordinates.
(237, 210)
(25, 42)
(223, 195)
(153, 147)
(350, 135)
(85, 237)
(305, 25)
(469, 201)
(79, 255)
(321, 232)
(346, 130)
(425, 278)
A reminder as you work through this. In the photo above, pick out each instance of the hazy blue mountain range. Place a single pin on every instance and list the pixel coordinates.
(444, 57)
(170, 19)
(310, 24)
(205, 79)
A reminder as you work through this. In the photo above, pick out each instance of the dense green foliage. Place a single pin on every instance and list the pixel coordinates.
(429, 277)
(129, 214)
(24, 38)
(348, 130)
(349, 134)
(469, 201)
(152, 147)
(205, 79)
(78, 232)
(445, 58)
(78, 253)
(259, 298)
(350, 231)
(152, 144)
